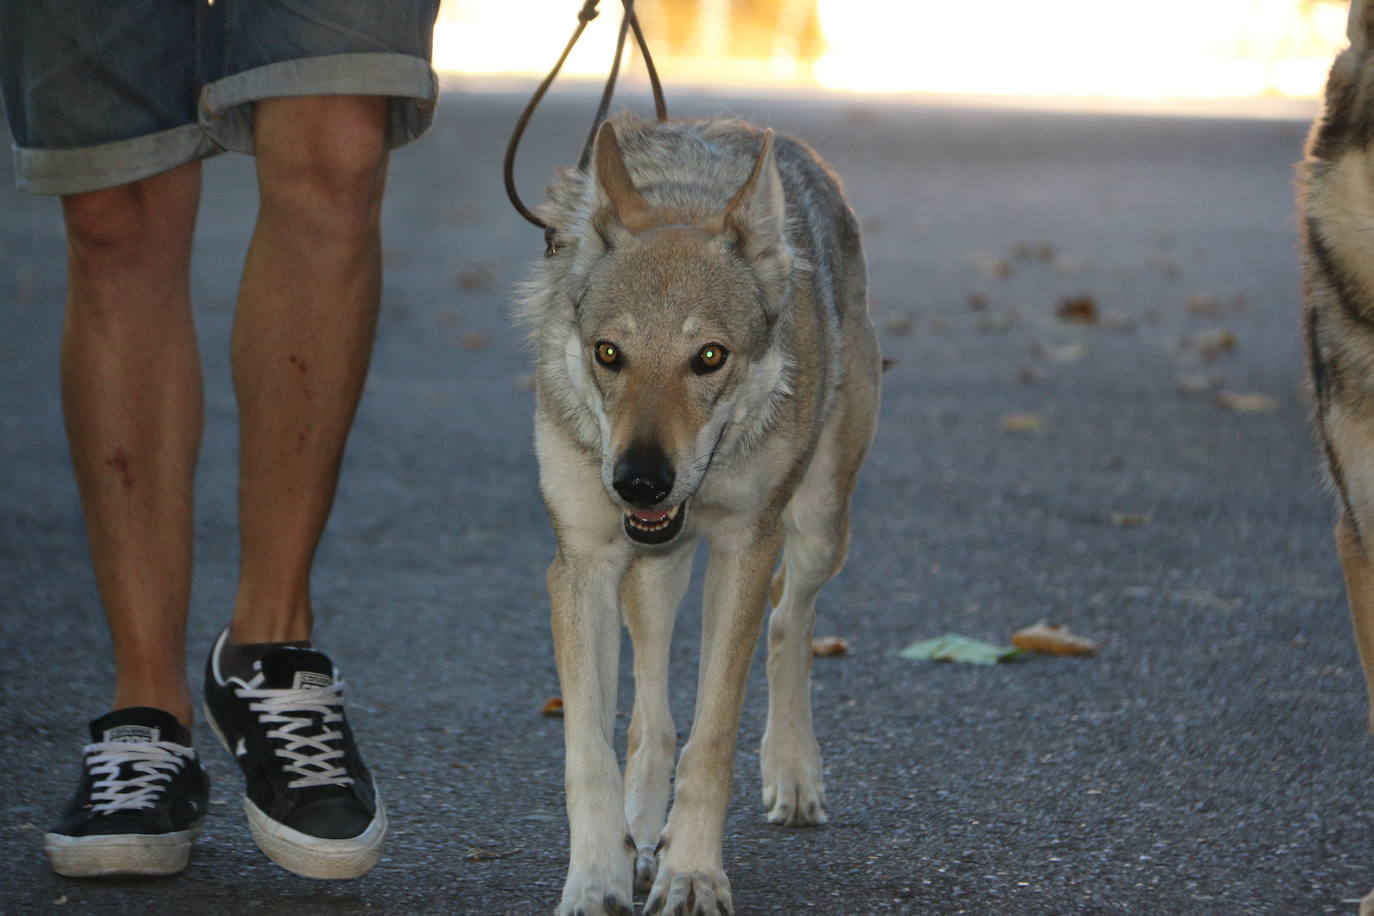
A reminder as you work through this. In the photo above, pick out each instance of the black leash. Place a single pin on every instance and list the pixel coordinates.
(629, 21)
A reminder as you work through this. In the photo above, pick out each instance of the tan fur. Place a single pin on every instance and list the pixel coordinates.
(1336, 218)
(680, 237)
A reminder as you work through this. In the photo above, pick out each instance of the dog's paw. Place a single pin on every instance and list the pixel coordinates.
(587, 894)
(694, 893)
(646, 867)
(793, 789)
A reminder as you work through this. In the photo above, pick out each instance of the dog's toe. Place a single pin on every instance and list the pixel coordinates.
(793, 787)
(690, 894)
(646, 867)
(594, 898)
(794, 802)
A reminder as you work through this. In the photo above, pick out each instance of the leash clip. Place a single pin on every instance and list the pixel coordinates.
(551, 247)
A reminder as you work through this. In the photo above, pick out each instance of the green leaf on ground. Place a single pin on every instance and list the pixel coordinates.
(955, 648)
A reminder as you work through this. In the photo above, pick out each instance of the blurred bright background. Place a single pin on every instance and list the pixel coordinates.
(1161, 49)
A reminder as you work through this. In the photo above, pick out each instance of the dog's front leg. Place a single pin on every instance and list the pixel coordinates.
(650, 595)
(691, 878)
(586, 635)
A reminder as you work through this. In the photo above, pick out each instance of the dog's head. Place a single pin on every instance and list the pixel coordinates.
(675, 316)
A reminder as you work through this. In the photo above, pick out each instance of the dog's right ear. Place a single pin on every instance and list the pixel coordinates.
(619, 203)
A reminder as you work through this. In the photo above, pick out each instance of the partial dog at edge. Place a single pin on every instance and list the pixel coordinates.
(1336, 217)
(705, 366)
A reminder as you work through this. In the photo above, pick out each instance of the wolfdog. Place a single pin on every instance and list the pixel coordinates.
(705, 366)
(1336, 215)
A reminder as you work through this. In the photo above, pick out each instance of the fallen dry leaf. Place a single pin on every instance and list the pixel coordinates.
(955, 648)
(976, 302)
(1197, 382)
(1059, 353)
(1080, 309)
(1207, 304)
(992, 266)
(553, 707)
(1246, 401)
(1211, 344)
(1167, 266)
(900, 324)
(826, 646)
(1204, 304)
(1028, 376)
(1053, 639)
(1130, 519)
(888, 363)
(1033, 251)
(998, 322)
(473, 342)
(1022, 423)
(479, 276)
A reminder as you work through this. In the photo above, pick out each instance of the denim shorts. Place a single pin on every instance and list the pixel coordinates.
(100, 93)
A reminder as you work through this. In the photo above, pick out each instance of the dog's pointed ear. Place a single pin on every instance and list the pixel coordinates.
(620, 203)
(757, 217)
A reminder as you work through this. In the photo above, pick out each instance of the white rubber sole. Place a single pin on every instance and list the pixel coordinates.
(120, 854)
(317, 857)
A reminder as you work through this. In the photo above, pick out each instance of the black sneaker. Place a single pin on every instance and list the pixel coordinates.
(310, 802)
(140, 803)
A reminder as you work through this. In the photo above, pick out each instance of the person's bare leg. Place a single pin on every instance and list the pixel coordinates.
(302, 338)
(131, 395)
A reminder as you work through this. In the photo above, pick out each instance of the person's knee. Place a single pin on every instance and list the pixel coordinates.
(132, 223)
(322, 164)
(100, 221)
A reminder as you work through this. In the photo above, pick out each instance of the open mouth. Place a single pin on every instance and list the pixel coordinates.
(657, 527)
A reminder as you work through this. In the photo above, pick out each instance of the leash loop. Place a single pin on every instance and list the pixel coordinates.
(629, 22)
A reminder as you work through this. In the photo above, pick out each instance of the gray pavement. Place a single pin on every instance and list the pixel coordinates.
(1212, 759)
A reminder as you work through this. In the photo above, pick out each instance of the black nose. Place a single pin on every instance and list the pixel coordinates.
(643, 477)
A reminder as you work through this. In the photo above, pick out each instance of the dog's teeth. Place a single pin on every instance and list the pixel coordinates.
(672, 513)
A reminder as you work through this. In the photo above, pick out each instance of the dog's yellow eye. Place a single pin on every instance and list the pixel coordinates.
(709, 358)
(608, 354)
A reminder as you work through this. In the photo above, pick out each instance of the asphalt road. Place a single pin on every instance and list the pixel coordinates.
(1212, 759)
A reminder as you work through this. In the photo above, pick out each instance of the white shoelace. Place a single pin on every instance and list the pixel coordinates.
(312, 757)
(149, 767)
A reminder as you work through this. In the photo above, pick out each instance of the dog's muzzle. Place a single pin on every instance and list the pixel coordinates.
(643, 477)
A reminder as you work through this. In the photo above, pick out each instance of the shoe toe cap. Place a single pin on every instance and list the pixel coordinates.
(336, 818)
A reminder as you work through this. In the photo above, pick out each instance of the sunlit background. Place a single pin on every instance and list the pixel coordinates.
(1161, 49)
